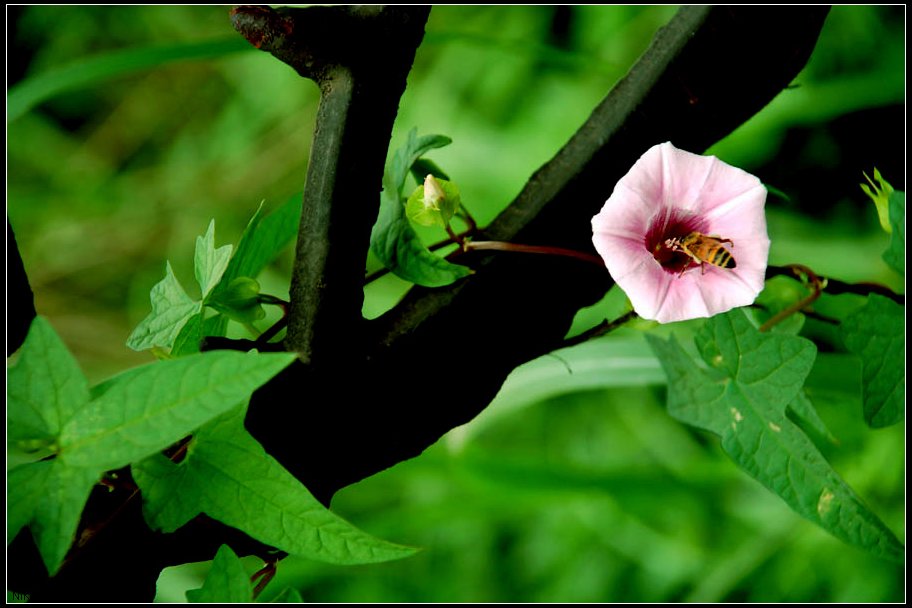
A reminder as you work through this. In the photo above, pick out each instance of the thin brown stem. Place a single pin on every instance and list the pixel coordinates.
(453, 236)
(817, 284)
(601, 329)
(265, 574)
(835, 286)
(539, 249)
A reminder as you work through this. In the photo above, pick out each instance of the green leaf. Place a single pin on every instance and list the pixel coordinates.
(228, 476)
(895, 256)
(48, 496)
(435, 209)
(876, 334)
(226, 583)
(415, 147)
(171, 309)
(95, 70)
(209, 263)
(802, 411)
(880, 193)
(45, 388)
(188, 340)
(393, 240)
(263, 240)
(85, 433)
(424, 166)
(146, 409)
(26, 487)
(740, 391)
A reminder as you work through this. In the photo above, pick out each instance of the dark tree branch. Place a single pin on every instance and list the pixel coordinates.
(706, 72)
(360, 58)
(20, 301)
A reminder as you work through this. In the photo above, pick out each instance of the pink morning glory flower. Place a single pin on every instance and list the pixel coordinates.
(652, 232)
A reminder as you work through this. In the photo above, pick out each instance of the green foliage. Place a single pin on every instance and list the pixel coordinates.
(227, 582)
(96, 70)
(567, 499)
(895, 256)
(225, 281)
(393, 239)
(262, 241)
(875, 333)
(228, 476)
(209, 263)
(172, 308)
(880, 193)
(127, 418)
(740, 390)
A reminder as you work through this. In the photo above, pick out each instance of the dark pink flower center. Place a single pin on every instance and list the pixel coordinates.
(674, 224)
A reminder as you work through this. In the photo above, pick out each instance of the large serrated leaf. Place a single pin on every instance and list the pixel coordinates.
(228, 476)
(226, 583)
(146, 409)
(740, 391)
(171, 309)
(876, 334)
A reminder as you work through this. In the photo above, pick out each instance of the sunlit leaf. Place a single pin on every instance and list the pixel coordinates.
(45, 387)
(226, 583)
(209, 263)
(263, 239)
(228, 476)
(81, 433)
(876, 334)
(146, 409)
(171, 309)
(739, 391)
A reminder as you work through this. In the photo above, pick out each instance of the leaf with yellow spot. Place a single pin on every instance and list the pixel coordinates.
(741, 388)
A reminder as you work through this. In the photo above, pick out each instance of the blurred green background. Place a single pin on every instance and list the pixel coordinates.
(571, 487)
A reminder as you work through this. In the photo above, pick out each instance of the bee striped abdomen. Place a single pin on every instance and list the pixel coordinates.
(722, 258)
